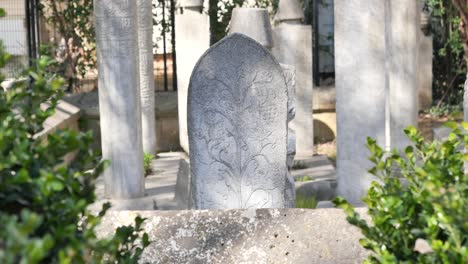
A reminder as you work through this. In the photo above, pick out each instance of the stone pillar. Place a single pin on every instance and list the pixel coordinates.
(119, 97)
(145, 47)
(193, 39)
(402, 37)
(293, 46)
(376, 83)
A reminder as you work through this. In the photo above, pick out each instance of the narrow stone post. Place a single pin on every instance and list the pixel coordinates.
(119, 97)
(145, 47)
(293, 46)
(402, 30)
(193, 39)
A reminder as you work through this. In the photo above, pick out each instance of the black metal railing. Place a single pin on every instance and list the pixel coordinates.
(32, 28)
(164, 25)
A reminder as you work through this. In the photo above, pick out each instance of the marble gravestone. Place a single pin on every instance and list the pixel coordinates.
(192, 28)
(293, 46)
(376, 52)
(145, 49)
(237, 120)
(119, 97)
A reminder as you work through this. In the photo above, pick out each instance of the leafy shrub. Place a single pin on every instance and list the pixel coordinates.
(444, 110)
(421, 196)
(148, 158)
(43, 199)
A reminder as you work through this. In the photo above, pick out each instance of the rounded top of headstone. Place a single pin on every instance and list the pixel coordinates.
(289, 10)
(191, 3)
(254, 23)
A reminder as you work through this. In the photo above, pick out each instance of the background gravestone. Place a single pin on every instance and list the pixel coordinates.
(293, 45)
(145, 49)
(192, 28)
(119, 97)
(237, 119)
(376, 51)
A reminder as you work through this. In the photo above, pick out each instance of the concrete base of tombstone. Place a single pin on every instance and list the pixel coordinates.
(246, 236)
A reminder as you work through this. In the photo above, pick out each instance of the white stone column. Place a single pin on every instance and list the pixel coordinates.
(192, 40)
(402, 30)
(360, 90)
(376, 82)
(293, 46)
(119, 97)
(145, 46)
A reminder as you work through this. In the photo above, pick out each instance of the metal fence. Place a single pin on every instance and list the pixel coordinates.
(19, 33)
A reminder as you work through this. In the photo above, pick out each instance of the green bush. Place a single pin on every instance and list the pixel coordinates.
(43, 199)
(421, 196)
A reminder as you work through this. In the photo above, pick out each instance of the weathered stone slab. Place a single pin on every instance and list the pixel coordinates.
(145, 52)
(119, 97)
(193, 39)
(237, 119)
(279, 236)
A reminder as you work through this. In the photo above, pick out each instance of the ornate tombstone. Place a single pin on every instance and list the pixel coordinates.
(237, 120)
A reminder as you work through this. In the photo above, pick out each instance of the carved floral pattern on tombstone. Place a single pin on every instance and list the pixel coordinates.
(237, 120)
